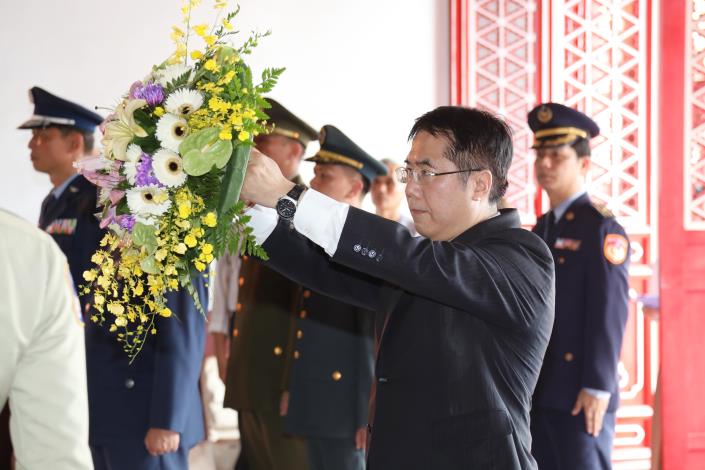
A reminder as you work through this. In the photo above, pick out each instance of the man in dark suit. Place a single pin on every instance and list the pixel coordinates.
(577, 394)
(262, 332)
(332, 373)
(464, 313)
(145, 415)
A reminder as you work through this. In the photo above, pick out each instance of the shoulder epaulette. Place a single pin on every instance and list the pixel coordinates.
(602, 210)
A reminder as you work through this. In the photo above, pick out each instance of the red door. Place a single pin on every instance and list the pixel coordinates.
(682, 233)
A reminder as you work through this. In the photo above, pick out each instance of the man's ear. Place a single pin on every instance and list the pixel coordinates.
(356, 188)
(584, 163)
(483, 185)
(74, 142)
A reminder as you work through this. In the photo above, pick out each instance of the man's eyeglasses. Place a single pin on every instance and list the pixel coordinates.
(404, 175)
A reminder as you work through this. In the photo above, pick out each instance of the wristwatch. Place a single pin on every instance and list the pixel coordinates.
(286, 205)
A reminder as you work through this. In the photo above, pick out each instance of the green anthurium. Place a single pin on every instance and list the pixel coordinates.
(203, 150)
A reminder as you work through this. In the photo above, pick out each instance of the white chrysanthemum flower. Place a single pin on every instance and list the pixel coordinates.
(148, 201)
(133, 155)
(171, 73)
(183, 102)
(171, 131)
(168, 168)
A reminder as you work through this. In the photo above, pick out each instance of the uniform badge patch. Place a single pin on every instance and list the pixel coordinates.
(567, 244)
(62, 227)
(615, 248)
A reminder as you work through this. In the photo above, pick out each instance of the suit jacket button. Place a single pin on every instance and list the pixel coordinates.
(299, 334)
(241, 281)
(307, 294)
(569, 216)
(302, 314)
(129, 383)
(297, 354)
(337, 375)
(238, 307)
(561, 260)
(235, 332)
(568, 357)
(277, 350)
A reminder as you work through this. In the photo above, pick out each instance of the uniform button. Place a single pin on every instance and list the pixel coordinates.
(129, 383)
(364, 252)
(241, 281)
(297, 354)
(336, 375)
(561, 260)
(235, 332)
(238, 307)
(569, 216)
(277, 350)
(245, 258)
(302, 314)
(299, 334)
(568, 357)
(357, 248)
(307, 294)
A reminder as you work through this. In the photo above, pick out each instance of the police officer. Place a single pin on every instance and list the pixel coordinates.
(262, 332)
(333, 367)
(62, 132)
(573, 417)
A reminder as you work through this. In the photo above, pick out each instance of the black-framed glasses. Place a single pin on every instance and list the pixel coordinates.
(404, 174)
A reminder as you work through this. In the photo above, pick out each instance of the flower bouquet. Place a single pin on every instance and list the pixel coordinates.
(174, 158)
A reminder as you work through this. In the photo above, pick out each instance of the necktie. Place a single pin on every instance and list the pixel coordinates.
(551, 229)
(47, 205)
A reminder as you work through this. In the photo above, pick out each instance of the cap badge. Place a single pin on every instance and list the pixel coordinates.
(544, 114)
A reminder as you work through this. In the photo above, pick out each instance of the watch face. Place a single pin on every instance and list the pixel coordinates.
(286, 208)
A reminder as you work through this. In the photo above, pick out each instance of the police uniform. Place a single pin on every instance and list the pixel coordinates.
(67, 213)
(334, 367)
(591, 254)
(261, 345)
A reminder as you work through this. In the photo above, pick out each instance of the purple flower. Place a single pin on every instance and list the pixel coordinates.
(145, 172)
(153, 93)
(127, 222)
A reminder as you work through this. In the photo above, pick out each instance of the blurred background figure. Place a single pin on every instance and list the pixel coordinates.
(388, 195)
(42, 351)
(254, 306)
(333, 368)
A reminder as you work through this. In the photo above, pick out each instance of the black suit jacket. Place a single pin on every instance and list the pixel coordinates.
(463, 328)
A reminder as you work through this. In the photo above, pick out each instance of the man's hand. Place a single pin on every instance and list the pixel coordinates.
(361, 438)
(161, 441)
(594, 410)
(220, 344)
(264, 183)
(284, 403)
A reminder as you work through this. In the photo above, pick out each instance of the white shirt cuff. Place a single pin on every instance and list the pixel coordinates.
(321, 219)
(599, 394)
(263, 222)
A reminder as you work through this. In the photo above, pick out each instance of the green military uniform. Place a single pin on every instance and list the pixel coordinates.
(262, 343)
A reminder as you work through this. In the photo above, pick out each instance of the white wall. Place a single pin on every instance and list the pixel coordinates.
(367, 66)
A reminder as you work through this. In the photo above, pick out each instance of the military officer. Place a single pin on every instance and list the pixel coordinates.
(62, 132)
(333, 368)
(263, 329)
(577, 394)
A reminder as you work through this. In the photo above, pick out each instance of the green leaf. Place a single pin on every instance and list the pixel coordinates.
(233, 179)
(143, 234)
(149, 265)
(203, 150)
